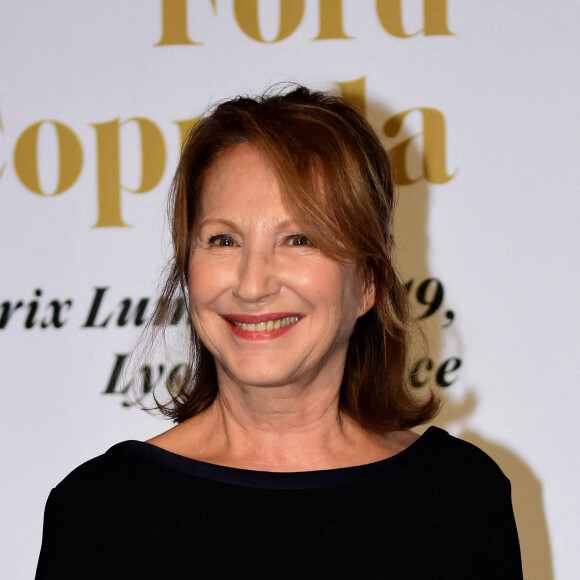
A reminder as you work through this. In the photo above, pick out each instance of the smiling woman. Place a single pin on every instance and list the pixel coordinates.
(292, 456)
(314, 164)
(298, 303)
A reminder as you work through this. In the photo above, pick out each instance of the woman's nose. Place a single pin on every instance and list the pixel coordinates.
(257, 276)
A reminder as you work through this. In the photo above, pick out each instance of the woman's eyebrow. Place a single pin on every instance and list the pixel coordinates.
(282, 224)
(216, 221)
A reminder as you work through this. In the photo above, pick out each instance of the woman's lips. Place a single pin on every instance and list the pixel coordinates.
(264, 326)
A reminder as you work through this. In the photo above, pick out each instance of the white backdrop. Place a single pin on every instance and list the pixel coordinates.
(486, 92)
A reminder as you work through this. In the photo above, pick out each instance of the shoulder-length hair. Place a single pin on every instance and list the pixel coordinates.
(337, 182)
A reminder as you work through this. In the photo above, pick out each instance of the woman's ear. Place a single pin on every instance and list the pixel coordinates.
(368, 296)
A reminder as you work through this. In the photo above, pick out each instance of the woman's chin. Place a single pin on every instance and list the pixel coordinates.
(260, 374)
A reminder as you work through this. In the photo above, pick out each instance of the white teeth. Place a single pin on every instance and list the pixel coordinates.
(266, 325)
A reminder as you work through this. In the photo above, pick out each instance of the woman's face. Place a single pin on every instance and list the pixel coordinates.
(267, 304)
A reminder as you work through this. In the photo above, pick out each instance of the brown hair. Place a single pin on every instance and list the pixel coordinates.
(336, 180)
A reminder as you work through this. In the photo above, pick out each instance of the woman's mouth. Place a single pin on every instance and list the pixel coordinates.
(266, 325)
(262, 327)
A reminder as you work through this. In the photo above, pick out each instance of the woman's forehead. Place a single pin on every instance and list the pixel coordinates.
(240, 184)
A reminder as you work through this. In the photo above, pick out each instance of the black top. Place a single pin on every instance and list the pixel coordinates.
(440, 509)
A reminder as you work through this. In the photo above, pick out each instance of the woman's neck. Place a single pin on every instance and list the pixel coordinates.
(279, 429)
(282, 431)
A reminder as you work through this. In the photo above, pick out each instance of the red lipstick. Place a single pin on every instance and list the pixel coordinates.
(244, 325)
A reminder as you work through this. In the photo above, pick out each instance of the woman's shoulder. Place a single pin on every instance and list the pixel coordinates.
(115, 469)
(466, 454)
(460, 464)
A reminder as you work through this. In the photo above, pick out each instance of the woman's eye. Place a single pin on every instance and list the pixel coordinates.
(221, 240)
(299, 240)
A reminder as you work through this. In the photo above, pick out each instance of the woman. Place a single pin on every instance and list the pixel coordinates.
(292, 455)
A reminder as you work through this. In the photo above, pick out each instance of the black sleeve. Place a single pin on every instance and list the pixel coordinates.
(68, 549)
(504, 560)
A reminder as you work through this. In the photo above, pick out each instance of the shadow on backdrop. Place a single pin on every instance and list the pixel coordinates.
(528, 507)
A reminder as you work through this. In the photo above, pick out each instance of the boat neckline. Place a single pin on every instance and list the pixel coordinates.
(430, 440)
